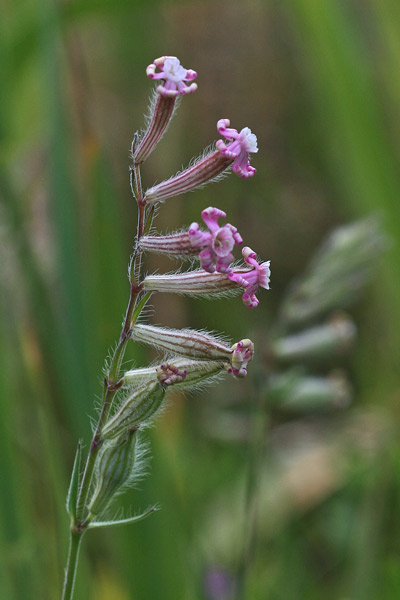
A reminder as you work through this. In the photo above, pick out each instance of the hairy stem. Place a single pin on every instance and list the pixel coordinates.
(112, 383)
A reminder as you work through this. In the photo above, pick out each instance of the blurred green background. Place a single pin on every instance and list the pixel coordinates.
(318, 82)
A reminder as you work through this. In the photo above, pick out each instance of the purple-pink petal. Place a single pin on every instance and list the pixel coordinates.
(238, 150)
(210, 217)
(174, 76)
(217, 244)
(252, 279)
(223, 241)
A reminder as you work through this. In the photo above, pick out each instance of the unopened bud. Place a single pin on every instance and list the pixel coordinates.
(114, 468)
(140, 406)
(179, 372)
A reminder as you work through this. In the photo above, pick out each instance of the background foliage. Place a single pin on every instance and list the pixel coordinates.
(319, 84)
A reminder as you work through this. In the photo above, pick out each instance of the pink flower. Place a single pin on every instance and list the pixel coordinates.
(242, 354)
(242, 144)
(250, 280)
(174, 76)
(217, 244)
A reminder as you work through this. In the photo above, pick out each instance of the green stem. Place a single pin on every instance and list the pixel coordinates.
(72, 563)
(112, 384)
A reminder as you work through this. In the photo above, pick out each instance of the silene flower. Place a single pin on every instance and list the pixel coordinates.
(173, 75)
(214, 247)
(164, 102)
(217, 243)
(212, 165)
(251, 279)
(242, 143)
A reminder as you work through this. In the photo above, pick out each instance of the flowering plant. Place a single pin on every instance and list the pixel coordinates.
(131, 399)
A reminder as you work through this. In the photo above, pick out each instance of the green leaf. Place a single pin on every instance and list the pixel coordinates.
(149, 221)
(135, 519)
(140, 307)
(74, 484)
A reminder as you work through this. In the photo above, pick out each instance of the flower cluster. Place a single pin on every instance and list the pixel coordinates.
(213, 249)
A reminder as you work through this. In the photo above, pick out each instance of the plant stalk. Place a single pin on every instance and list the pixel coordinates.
(112, 384)
(72, 563)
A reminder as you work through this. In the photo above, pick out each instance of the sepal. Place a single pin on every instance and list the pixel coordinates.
(139, 407)
(114, 469)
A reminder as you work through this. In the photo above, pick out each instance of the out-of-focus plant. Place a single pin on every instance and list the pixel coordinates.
(299, 377)
(132, 398)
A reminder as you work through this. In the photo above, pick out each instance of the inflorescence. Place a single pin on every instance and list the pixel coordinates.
(189, 357)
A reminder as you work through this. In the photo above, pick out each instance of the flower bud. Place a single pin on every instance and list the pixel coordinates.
(140, 405)
(114, 468)
(179, 372)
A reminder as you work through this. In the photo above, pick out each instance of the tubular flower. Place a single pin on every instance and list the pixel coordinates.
(238, 150)
(173, 75)
(217, 244)
(206, 169)
(176, 244)
(250, 280)
(192, 283)
(161, 113)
